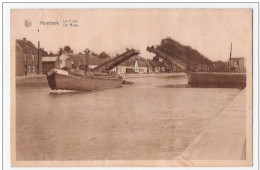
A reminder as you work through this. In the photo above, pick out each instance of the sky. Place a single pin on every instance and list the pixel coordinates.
(210, 31)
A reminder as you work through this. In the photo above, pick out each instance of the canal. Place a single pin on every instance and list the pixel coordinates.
(154, 119)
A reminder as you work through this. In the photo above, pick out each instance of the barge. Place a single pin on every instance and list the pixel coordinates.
(68, 78)
(61, 79)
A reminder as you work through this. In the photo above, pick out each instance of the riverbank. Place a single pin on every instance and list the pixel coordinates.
(41, 79)
(224, 138)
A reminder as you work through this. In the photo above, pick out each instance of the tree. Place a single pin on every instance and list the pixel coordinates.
(87, 51)
(61, 51)
(68, 49)
(183, 53)
(51, 54)
(43, 52)
(104, 55)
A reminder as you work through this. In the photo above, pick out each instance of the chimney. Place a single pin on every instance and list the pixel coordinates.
(24, 39)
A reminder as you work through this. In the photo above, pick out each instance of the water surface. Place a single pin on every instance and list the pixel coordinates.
(156, 118)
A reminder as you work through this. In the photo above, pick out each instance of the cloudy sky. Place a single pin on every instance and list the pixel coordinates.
(210, 31)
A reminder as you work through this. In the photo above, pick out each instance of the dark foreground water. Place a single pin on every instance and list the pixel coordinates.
(154, 119)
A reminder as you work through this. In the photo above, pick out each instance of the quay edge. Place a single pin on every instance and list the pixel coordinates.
(227, 130)
(217, 79)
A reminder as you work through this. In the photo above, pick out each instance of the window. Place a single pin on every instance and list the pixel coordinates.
(29, 69)
(33, 69)
(236, 64)
(33, 57)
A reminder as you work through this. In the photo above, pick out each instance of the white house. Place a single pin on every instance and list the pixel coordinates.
(64, 61)
(133, 65)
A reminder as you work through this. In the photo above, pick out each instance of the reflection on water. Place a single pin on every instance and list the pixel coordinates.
(156, 118)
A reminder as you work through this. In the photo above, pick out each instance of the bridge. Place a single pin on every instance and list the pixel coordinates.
(204, 78)
(181, 65)
(110, 64)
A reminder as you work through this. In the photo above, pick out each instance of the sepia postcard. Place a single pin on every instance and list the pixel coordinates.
(131, 87)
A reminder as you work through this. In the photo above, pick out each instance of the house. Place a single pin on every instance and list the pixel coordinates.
(48, 62)
(143, 66)
(94, 61)
(157, 66)
(120, 69)
(237, 64)
(84, 61)
(160, 65)
(28, 60)
(125, 67)
(64, 61)
(133, 65)
(80, 62)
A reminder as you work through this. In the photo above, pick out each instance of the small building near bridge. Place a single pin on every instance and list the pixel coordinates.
(237, 64)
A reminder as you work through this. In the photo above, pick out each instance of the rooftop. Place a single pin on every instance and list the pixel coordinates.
(131, 62)
(26, 46)
(92, 60)
(49, 58)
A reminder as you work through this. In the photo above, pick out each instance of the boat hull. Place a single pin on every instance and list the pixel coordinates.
(60, 81)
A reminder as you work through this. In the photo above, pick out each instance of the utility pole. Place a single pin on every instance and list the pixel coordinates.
(230, 51)
(229, 63)
(38, 70)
